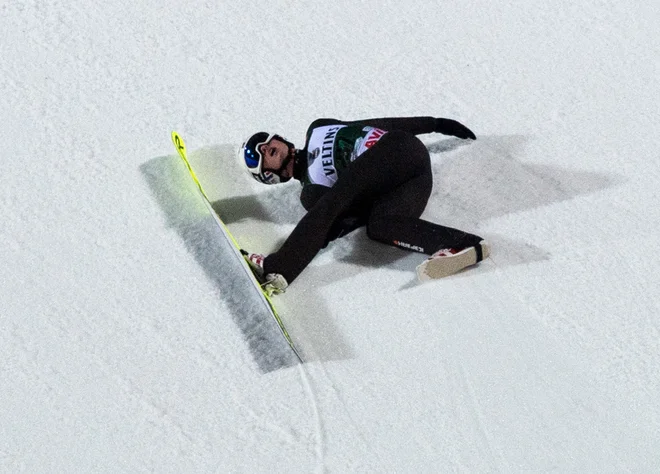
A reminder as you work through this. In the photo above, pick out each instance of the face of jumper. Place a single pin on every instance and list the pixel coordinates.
(275, 153)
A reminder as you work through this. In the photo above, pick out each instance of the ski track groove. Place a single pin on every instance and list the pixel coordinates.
(207, 358)
(337, 393)
(320, 433)
(333, 386)
(494, 460)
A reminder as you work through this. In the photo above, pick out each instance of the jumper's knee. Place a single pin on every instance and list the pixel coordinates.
(378, 227)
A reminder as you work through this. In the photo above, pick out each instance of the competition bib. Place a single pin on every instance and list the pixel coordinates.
(332, 148)
(321, 155)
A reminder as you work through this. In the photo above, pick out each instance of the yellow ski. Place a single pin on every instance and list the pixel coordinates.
(181, 149)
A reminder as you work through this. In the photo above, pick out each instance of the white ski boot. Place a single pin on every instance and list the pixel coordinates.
(446, 262)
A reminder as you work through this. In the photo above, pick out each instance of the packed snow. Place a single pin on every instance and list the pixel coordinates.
(126, 343)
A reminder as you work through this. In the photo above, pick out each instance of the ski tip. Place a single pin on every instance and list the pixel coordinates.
(178, 142)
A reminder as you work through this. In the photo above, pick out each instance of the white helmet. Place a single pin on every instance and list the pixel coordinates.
(250, 154)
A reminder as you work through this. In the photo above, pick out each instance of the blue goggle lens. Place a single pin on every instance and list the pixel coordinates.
(251, 158)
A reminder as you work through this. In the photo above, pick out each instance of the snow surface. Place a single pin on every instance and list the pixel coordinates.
(121, 348)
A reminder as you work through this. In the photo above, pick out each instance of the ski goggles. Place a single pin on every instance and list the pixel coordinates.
(254, 159)
(252, 152)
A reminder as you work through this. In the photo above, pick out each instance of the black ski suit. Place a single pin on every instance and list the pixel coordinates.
(372, 172)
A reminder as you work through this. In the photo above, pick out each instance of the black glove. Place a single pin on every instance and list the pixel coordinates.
(453, 128)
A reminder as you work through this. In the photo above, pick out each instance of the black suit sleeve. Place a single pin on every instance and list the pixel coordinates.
(414, 125)
(311, 193)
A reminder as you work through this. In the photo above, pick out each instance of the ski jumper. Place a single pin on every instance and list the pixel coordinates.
(372, 172)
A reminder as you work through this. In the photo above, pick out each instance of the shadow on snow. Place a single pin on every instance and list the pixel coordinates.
(474, 182)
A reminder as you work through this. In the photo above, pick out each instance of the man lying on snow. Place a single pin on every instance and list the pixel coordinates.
(374, 173)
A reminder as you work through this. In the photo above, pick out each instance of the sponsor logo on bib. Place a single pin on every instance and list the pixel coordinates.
(369, 140)
(321, 168)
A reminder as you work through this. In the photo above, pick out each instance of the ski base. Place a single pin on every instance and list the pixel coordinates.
(265, 297)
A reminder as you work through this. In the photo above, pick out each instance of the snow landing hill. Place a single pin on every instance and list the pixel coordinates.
(123, 341)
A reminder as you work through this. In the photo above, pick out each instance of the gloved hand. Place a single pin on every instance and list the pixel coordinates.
(272, 283)
(453, 128)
